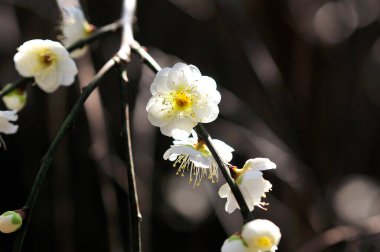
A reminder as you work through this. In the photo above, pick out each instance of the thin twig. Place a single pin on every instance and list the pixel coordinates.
(104, 158)
(342, 233)
(98, 33)
(129, 8)
(202, 132)
(127, 147)
(145, 56)
(20, 83)
(30, 203)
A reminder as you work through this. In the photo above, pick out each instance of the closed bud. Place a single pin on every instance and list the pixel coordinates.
(15, 100)
(10, 222)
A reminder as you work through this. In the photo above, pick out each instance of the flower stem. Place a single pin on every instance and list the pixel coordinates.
(202, 132)
(145, 56)
(128, 158)
(98, 33)
(46, 161)
(20, 83)
(102, 31)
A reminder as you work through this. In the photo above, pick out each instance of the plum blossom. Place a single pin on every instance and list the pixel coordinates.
(16, 99)
(192, 154)
(181, 98)
(48, 62)
(250, 182)
(256, 236)
(75, 27)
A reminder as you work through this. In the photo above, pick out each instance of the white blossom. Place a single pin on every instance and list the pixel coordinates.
(10, 222)
(48, 62)
(251, 184)
(6, 127)
(193, 155)
(261, 235)
(75, 27)
(182, 98)
(234, 244)
(256, 236)
(15, 100)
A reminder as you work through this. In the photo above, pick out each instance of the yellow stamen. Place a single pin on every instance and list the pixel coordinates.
(263, 242)
(182, 100)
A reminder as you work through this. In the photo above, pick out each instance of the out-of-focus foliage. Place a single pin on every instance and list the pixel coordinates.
(300, 84)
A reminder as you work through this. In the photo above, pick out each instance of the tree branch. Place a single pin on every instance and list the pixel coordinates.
(30, 203)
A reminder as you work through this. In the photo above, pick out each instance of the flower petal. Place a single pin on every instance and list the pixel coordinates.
(234, 246)
(259, 164)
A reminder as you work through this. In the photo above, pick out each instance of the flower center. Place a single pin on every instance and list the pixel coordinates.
(202, 148)
(46, 58)
(182, 100)
(263, 242)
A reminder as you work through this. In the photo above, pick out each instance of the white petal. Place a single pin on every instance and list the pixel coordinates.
(48, 80)
(26, 63)
(10, 115)
(224, 190)
(207, 83)
(69, 70)
(195, 72)
(233, 246)
(224, 150)
(260, 227)
(160, 82)
(179, 133)
(180, 75)
(231, 204)
(251, 175)
(259, 164)
(5, 126)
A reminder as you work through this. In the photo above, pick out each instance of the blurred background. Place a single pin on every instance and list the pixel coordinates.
(300, 84)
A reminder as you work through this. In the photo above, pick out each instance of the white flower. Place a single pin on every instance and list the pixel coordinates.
(182, 98)
(250, 182)
(5, 126)
(261, 235)
(234, 244)
(74, 27)
(15, 100)
(192, 154)
(48, 62)
(10, 222)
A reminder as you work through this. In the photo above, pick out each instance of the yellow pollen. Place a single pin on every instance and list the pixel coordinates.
(264, 242)
(182, 100)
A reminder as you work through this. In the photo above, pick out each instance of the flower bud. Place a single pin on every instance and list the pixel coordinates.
(10, 221)
(15, 100)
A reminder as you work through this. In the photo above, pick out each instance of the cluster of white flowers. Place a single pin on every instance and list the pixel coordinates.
(182, 98)
(256, 236)
(10, 222)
